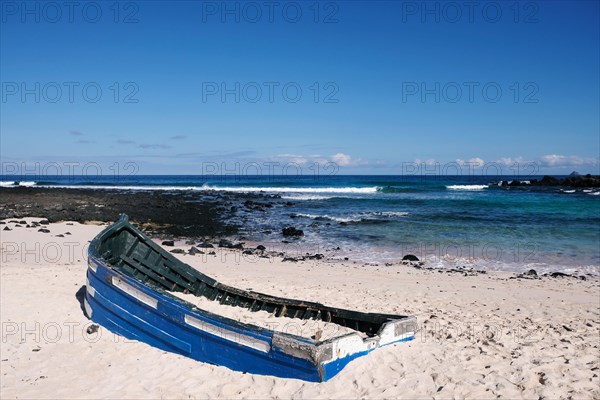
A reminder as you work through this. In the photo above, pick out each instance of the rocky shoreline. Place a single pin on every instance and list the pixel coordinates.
(164, 213)
(573, 181)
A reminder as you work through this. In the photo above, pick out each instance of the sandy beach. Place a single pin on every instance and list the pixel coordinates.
(480, 336)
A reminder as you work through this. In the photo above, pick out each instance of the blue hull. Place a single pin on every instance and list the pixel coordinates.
(129, 308)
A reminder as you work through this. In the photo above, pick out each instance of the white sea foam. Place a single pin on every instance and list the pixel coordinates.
(569, 191)
(296, 193)
(30, 183)
(358, 217)
(303, 197)
(595, 193)
(108, 187)
(244, 189)
(388, 213)
(16, 183)
(467, 187)
(329, 217)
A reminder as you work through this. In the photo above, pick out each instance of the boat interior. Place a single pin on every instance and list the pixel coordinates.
(135, 255)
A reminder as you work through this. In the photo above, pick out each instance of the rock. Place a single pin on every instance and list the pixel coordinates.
(531, 272)
(225, 243)
(559, 275)
(2, 223)
(574, 173)
(44, 222)
(205, 245)
(248, 251)
(194, 250)
(178, 251)
(67, 233)
(410, 257)
(289, 259)
(289, 204)
(233, 209)
(261, 247)
(169, 243)
(239, 246)
(292, 231)
(60, 235)
(43, 230)
(92, 329)
(190, 242)
(317, 256)
(23, 222)
(6, 228)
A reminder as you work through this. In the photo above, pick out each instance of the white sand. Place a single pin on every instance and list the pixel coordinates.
(266, 320)
(481, 337)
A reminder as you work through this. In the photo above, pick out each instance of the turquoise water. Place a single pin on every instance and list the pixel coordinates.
(449, 221)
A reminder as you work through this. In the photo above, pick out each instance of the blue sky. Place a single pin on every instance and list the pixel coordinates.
(174, 86)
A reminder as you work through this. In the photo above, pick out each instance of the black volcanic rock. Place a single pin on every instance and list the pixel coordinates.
(194, 250)
(178, 214)
(410, 257)
(577, 181)
(292, 231)
(169, 243)
(225, 243)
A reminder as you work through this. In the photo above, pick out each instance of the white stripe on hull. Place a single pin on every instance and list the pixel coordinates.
(88, 309)
(226, 334)
(135, 293)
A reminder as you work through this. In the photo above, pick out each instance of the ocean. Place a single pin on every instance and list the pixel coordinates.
(447, 221)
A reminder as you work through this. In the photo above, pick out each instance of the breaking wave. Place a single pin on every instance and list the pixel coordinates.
(467, 187)
(17, 183)
(358, 217)
(245, 189)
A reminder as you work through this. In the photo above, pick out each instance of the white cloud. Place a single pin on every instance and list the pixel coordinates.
(508, 161)
(291, 159)
(557, 160)
(429, 161)
(342, 159)
(475, 162)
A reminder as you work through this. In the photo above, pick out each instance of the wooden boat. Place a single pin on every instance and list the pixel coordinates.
(130, 281)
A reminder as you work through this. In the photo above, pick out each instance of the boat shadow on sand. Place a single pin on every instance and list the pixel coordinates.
(80, 296)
